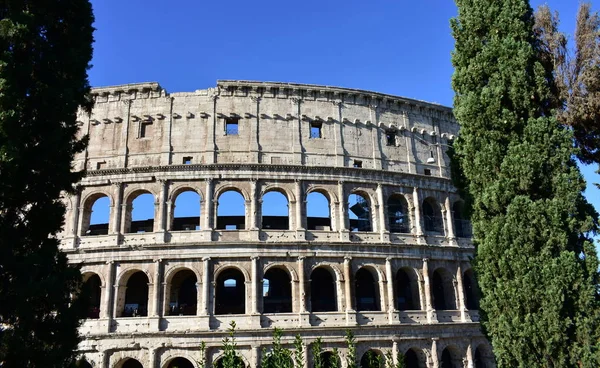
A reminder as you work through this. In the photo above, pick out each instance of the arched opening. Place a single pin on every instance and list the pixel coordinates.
(484, 357)
(93, 288)
(411, 359)
(443, 290)
(366, 291)
(136, 296)
(398, 217)
(330, 360)
(140, 214)
(407, 290)
(450, 358)
(183, 296)
(318, 212)
(372, 359)
(239, 362)
(83, 363)
(186, 215)
(180, 363)
(230, 292)
(231, 211)
(132, 363)
(275, 211)
(479, 363)
(277, 291)
(462, 225)
(322, 291)
(432, 215)
(359, 212)
(270, 361)
(471, 290)
(96, 215)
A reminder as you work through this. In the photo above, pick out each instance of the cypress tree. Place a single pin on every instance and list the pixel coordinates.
(535, 263)
(45, 50)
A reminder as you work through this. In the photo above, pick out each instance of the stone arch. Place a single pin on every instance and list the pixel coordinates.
(277, 290)
(483, 356)
(442, 289)
(290, 270)
(217, 362)
(145, 225)
(230, 290)
(407, 289)
(231, 186)
(372, 358)
(92, 285)
(462, 225)
(319, 222)
(179, 362)
(87, 204)
(398, 213)
(451, 357)
(128, 362)
(470, 289)
(178, 188)
(415, 357)
(171, 355)
(280, 189)
(232, 222)
(323, 289)
(177, 222)
(129, 294)
(181, 292)
(366, 289)
(276, 222)
(432, 216)
(362, 207)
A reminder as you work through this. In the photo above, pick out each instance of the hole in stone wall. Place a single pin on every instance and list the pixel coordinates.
(275, 211)
(98, 217)
(187, 211)
(322, 291)
(231, 211)
(318, 212)
(230, 293)
(359, 212)
(142, 214)
(277, 292)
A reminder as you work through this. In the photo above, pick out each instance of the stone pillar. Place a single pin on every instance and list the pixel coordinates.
(427, 290)
(152, 358)
(117, 211)
(470, 359)
(107, 307)
(390, 287)
(417, 210)
(204, 311)
(255, 288)
(382, 222)
(343, 220)
(299, 193)
(305, 354)
(253, 216)
(338, 136)
(254, 147)
(460, 293)
(208, 208)
(449, 221)
(255, 357)
(434, 353)
(211, 131)
(297, 133)
(164, 213)
(395, 350)
(156, 288)
(302, 289)
(348, 283)
(76, 210)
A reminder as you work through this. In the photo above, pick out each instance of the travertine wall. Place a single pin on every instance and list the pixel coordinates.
(144, 140)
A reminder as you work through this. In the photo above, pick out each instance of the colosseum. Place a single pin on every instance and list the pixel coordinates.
(340, 215)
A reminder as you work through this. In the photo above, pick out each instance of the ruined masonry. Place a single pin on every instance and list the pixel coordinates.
(387, 258)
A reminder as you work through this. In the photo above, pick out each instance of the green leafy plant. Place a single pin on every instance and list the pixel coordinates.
(230, 358)
(317, 351)
(279, 356)
(351, 344)
(298, 351)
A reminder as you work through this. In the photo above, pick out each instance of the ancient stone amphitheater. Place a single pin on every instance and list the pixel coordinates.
(388, 257)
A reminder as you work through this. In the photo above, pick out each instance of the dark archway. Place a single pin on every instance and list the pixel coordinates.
(93, 289)
(479, 362)
(180, 363)
(230, 293)
(322, 291)
(83, 363)
(366, 291)
(398, 216)
(407, 290)
(471, 290)
(329, 359)
(446, 361)
(136, 296)
(318, 212)
(277, 291)
(462, 225)
(411, 359)
(443, 290)
(372, 359)
(432, 216)
(183, 298)
(132, 363)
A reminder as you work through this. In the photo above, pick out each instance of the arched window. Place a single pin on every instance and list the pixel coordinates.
(462, 225)
(471, 290)
(432, 214)
(318, 212)
(92, 287)
(330, 360)
(186, 215)
(140, 214)
(412, 359)
(83, 363)
(398, 217)
(443, 290)
(484, 357)
(132, 363)
(479, 363)
(451, 358)
(96, 215)
(275, 211)
(231, 211)
(322, 291)
(180, 363)
(372, 359)
(366, 291)
(277, 291)
(183, 294)
(136, 295)
(359, 212)
(238, 362)
(407, 290)
(230, 292)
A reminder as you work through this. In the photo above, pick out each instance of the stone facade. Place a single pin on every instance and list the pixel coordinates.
(417, 296)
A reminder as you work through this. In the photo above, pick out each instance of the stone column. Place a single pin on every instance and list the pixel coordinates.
(156, 288)
(390, 287)
(427, 290)
(254, 304)
(348, 283)
(302, 289)
(254, 147)
(382, 221)
(208, 208)
(434, 353)
(449, 220)
(255, 357)
(395, 350)
(76, 211)
(205, 287)
(417, 210)
(164, 213)
(461, 305)
(117, 211)
(151, 358)
(343, 220)
(470, 359)
(253, 216)
(107, 307)
(297, 132)
(299, 193)
(338, 134)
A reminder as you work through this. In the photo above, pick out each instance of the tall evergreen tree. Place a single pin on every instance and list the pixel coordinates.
(45, 50)
(535, 263)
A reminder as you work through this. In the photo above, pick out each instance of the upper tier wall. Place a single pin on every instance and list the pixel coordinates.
(139, 125)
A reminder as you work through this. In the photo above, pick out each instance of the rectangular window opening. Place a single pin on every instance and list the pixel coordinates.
(146, 129)
(390, 138)
(315, 129)
(100, 165)
(357, 163)
(427, 172)
(187, 160)
(231, 126)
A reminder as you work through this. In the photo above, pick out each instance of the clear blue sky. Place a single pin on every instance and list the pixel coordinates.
(396, 47)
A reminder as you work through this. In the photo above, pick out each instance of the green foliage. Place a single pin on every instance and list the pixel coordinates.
(45, 50)
(279, 357)
(334, 359)
(298, 351)
(230, 358)
(317, 350)
(535, 263)
(351, 343)
(389, 360)
(202, 362)
(374, 360)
